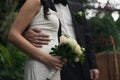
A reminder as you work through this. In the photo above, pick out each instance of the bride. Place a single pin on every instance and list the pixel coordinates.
(36, 13)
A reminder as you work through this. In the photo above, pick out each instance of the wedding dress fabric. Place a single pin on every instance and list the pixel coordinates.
(35, 70)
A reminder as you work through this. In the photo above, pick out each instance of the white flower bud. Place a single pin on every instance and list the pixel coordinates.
(80, 13)
(63, 39)
(78, 50)
(77, 59)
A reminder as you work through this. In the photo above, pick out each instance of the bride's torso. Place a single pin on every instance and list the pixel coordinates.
(34, 69)
(48, 26)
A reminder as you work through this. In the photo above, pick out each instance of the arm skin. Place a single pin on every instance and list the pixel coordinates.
(25, 15)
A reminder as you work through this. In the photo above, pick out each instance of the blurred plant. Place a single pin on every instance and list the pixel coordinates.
(8, 11)
(102, 29)
(118, 22)
(12, 63)
(81, 1)
(11, 59)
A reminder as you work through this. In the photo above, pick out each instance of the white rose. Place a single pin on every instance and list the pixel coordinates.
(69, 40)
(78, 50)
(63, 39)
(72, 42)
(83, 49)
(77, 59)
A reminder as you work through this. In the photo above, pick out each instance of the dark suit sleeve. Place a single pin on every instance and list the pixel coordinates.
(90, 53)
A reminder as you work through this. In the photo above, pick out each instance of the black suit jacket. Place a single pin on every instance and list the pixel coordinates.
(83, 36)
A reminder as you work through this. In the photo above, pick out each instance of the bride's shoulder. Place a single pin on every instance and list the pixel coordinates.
(34, 2)
(32, 5)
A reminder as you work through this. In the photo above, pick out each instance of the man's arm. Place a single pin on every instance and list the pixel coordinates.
(94, 72)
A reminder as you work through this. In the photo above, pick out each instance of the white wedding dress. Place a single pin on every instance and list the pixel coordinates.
(35, 70)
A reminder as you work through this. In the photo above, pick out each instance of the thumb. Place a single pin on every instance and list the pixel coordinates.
(91, 75)
(37, 30)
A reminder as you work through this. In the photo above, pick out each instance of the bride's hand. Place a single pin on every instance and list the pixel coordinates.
(55, 62)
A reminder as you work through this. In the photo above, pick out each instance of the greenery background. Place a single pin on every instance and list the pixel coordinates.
(12, 60)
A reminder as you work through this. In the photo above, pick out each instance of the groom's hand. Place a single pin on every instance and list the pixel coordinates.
(36, 37)
(94, 74)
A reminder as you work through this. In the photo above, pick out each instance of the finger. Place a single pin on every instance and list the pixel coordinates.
(32, 40)
(96, 75)
(36, 45)
(42, 42)
(38, 39)
(39, 42)
(35, 35)
(45, 39)
(32, 33)
(58, 68)
(60, 64)
(91, 75)
(42, 39)
(37, 30)
(43, 35)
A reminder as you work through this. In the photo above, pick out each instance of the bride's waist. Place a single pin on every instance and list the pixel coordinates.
(47, 48)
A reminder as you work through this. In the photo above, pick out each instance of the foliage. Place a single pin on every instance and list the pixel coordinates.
(81, 1)
(12, 61)
(102, 29)
(118, 22)
(8, 12)
(8, 15)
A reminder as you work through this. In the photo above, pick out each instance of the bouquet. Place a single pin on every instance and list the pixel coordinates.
(68, 50)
